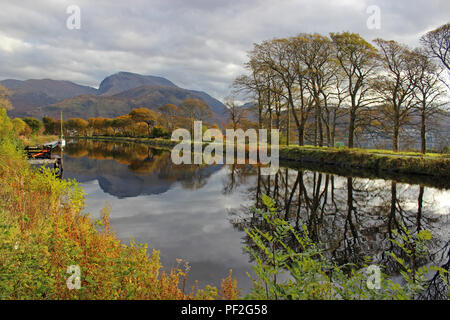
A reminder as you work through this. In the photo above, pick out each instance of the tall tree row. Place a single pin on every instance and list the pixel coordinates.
(311, 84)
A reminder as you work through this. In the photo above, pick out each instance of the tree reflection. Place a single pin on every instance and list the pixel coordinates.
(353, 218)
(238, 175)
(135, 168)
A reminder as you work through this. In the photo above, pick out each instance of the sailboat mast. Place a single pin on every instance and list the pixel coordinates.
(61, 128)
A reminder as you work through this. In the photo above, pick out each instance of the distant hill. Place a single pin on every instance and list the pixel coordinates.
(33, 93)
(154, 96)
(252, 112)
(117, 95)
(216, 106)
(151, 97)
(85, 107)
(123, 81)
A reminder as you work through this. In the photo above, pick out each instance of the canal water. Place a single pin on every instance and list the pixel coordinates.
(199, 213)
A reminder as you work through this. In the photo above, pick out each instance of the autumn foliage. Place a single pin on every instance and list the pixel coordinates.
(44, 231)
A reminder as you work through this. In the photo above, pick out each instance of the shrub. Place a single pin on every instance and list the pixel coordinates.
(43, 232)
(34, 124)
(301, 271)
(6, 126)
(159, 132)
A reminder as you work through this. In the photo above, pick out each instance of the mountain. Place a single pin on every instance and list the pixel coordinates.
(154, 96)
(33, 93)
(216, 106)
(123, 81)
(151, 97)
(85, 107)
(57, 89)
(152, 92)
(117, 95)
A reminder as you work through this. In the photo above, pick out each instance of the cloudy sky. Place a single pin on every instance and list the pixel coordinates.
(197, 44)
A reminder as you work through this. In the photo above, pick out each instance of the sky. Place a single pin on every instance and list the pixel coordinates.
(197, 44)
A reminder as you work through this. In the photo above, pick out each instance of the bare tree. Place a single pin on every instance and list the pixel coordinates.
(316, 53)
(357, 60)
(437, 44)
(236, 114)
(276, 55)
(427, 89)
(394, 86)
(169, 113)
(333, 102)
(252, 84)
(195, 109)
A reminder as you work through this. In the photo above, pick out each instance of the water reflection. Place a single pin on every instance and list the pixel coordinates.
(199, 213)
(129, 169)
(353, 218)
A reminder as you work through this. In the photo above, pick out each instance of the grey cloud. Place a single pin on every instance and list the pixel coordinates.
(198, 44)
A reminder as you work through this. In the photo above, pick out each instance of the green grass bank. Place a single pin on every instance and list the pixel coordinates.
(375, 160)
(382, 161)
